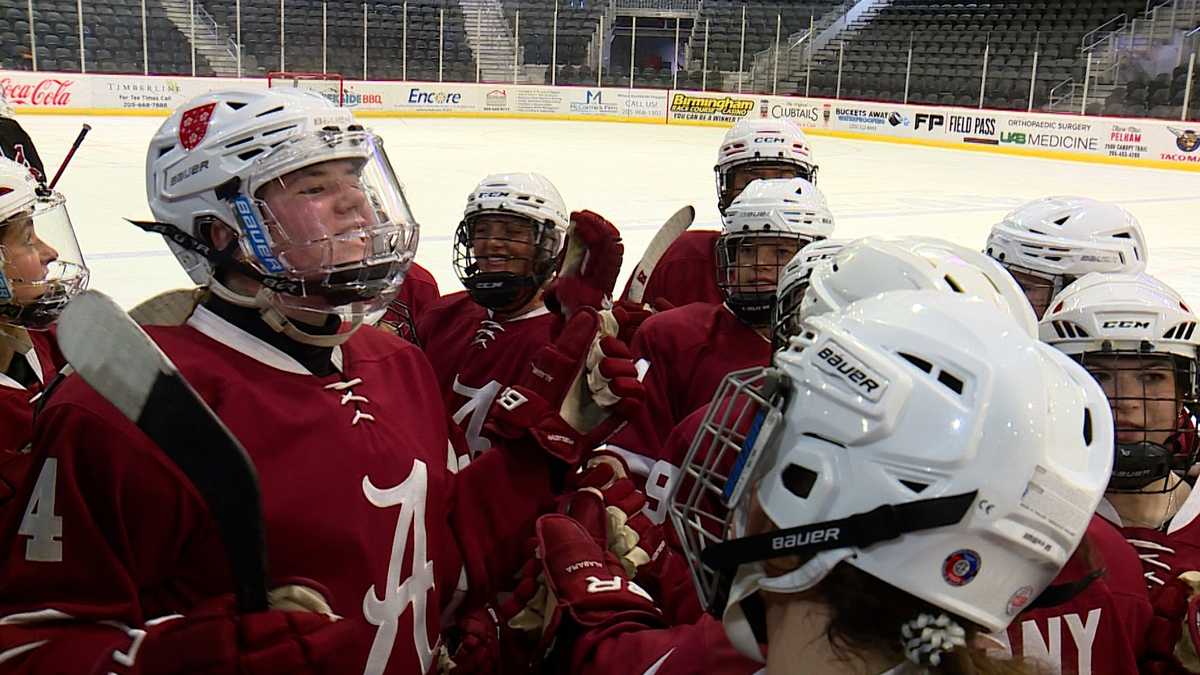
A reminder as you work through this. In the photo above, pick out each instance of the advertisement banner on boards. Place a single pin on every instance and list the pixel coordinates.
(619, 103)
(686, 106)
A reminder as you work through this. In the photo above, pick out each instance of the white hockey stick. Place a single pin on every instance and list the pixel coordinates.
(666, 235)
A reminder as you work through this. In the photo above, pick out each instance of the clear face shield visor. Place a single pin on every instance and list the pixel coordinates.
(42, 266)
(333, 222)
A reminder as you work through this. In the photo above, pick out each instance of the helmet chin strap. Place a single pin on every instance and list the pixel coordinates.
(276, 319)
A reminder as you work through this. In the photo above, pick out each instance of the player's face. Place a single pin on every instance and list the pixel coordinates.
(503, 243)
(26, 258)
(759, 260)
(1143, 394)
(1038, 290)
(321, 214)
(741, 176)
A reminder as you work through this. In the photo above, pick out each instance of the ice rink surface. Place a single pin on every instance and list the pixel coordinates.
(636, 175)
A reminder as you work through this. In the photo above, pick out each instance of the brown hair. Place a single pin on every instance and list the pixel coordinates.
(866, 614)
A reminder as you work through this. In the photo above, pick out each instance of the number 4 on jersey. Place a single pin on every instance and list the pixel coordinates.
(40, 524)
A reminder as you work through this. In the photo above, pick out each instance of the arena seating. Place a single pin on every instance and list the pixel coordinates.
(385, 33)
(112, 38)
(948, 43)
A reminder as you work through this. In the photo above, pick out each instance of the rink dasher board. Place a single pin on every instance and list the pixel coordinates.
(1162, 144)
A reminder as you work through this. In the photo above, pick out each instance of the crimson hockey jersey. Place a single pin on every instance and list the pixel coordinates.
(42, 362)
(418, 292)
(689, 350)
(1165, 554)
(359, 497)
(686, 273)
(475, 356)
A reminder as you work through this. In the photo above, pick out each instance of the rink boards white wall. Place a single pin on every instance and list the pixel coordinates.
(1139, 142)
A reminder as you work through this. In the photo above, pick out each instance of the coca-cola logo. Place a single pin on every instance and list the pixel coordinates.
(48, 92)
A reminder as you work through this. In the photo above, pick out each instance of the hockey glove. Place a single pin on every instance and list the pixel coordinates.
(215, 640)
(553, 402)
(589, 267)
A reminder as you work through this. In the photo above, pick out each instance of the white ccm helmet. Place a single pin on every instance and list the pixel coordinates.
(1135, 323)
(530, 196)
(1052, 241)
(320, 218)
(873, 265)
(759, 141)
(913, 435)
(41, 266)
(787, 208)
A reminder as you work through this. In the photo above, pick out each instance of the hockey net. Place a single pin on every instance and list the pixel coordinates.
(329, 85)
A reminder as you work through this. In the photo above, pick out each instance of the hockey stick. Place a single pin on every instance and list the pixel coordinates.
(70, 153)
(116, 357)
(662, 240)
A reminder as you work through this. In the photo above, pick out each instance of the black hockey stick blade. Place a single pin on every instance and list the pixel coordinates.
(116, 357)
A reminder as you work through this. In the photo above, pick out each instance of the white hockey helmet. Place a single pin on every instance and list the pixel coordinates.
(1050, 242)
(913, 435)
(768, 210)
(532, 197)
(320, 218)
(1127, 329)
(759, 141)
(874, 265)
(41, 266)
(793, 282)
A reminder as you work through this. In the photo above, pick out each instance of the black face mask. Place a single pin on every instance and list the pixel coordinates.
(754, 309)
(1140, 464)
(499, 291)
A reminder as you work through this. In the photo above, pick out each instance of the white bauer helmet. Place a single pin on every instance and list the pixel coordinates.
(530, 196)
(759, 141)
(780, 208)
(880, 264)
(223, 155)
(41, 266)
(1134, 322)
(1053, 241)
(913, 435)
(793, 282)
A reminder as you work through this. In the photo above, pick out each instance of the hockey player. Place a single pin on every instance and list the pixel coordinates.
(42, 269)
(505, 252)
(840, 533)
(16, 145)
(752, 149)
(1050, 242)
(691, 348)
(1135, 335)
(289, 211)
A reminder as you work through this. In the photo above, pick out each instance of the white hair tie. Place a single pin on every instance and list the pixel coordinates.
(926, 638)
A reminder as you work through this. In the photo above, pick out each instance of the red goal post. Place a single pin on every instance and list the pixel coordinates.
(329, 85)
